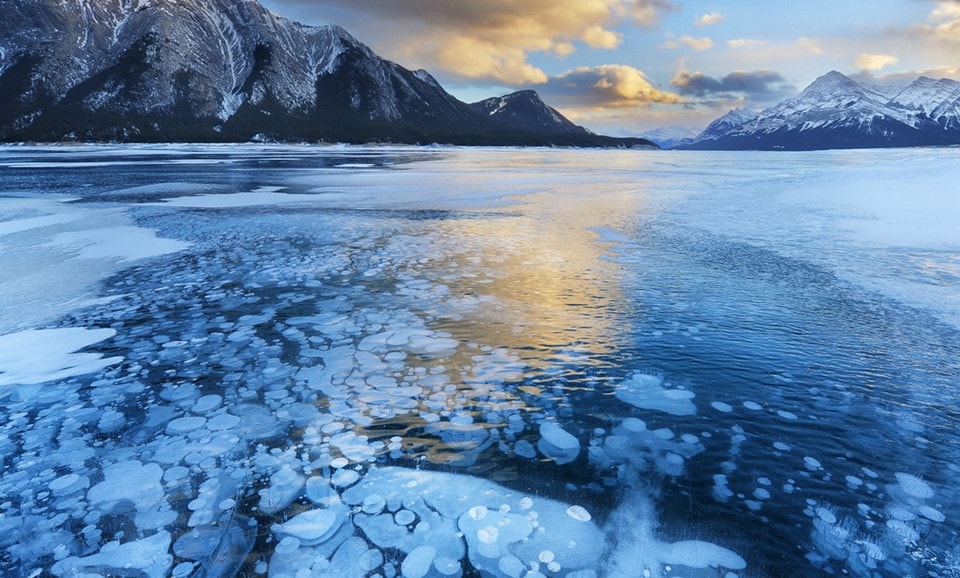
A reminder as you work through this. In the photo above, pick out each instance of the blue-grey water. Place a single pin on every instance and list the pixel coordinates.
(391, 361)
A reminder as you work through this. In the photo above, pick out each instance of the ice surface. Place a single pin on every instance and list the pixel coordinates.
(40, 242)
(496, 524)
(244, 405)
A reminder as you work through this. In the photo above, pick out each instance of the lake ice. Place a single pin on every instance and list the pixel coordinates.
(432, 362)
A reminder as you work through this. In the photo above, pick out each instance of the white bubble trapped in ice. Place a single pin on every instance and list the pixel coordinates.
(648, 391)
(558, 444)
(721, 406)
(914, 486)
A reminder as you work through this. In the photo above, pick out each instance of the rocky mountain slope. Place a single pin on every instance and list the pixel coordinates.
(524, 110)
(208, 70)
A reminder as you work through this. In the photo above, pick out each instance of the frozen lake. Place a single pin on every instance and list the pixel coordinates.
(396, 361)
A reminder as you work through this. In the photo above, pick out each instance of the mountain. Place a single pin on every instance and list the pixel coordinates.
(524, 110)
(725, 124)
(934, 100)
(837, 112)
(215, 70)
(670, 137)
(524, 113)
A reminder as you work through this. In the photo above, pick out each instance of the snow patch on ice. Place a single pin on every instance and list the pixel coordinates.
(236, 200)
(42, 355)
(126, 243)
(20, 225)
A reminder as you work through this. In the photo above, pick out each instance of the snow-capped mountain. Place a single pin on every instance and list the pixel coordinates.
(837, 112)
(726, 123)
(670, 137)
(935, 100)
(524, 110)
(209, 70)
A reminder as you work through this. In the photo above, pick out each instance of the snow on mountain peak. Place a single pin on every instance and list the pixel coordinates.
(830, 88)
(835, 111)
(725, 123)
(927, 95)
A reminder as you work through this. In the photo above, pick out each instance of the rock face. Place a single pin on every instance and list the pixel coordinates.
(212, 70)
(163, 68)
(837, 112)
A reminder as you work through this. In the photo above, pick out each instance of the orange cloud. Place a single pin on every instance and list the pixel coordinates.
(874, 61)
(478, 58)
(598, 37)
(490, 40)
(607, 86)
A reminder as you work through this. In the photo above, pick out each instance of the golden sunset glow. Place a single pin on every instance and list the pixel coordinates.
(612, 63)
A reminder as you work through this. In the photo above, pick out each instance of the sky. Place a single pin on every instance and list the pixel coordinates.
(624, 67)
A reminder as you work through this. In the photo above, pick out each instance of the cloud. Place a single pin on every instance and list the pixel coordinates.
(480, 59)
(710, 19)
(946, 11)
(598, 37)
(486, 41)
(903, 78)
(809, 45)
(875, 61)
(764, 84)
(606, 86)
(695, 43)
(943, 23)
(647, 13)
(745, 43)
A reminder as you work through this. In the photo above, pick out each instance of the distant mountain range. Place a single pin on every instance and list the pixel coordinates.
(670, 137)
(229, 70)
(837, 112)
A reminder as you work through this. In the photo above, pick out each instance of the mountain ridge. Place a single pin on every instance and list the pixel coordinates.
(219, 70)
(835, 111)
